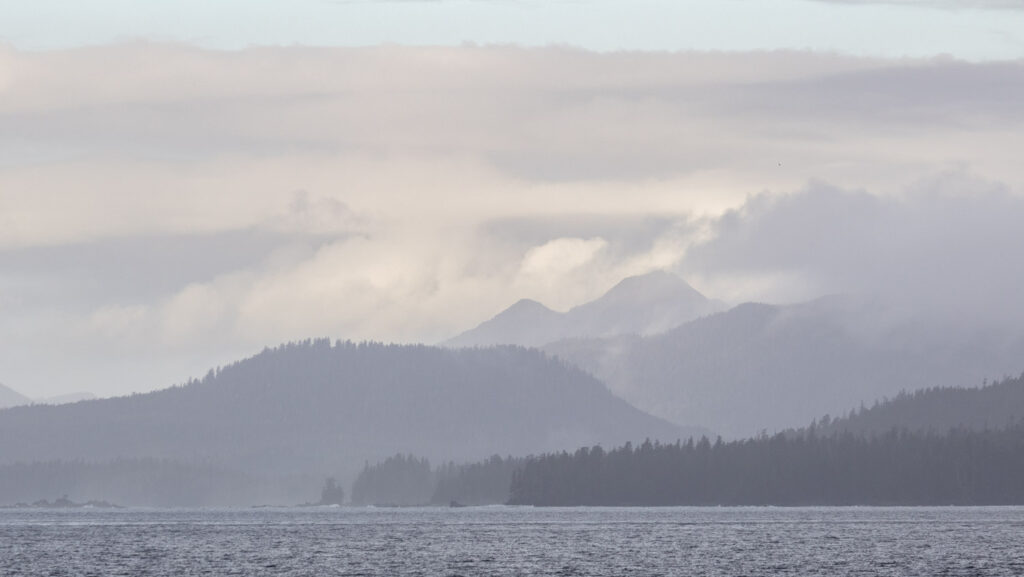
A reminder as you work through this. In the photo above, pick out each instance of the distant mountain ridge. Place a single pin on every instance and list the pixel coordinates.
(759, 367)
(645, 304)
(312, 409)
(11, 398)
(65, 399)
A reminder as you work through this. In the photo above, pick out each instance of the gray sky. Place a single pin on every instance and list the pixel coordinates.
(971, 29)
(168, 206)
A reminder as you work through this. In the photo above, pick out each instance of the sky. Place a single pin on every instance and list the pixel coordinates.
(182, 184)
(970, 29)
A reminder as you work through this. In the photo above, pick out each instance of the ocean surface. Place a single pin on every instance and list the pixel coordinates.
(514, 541)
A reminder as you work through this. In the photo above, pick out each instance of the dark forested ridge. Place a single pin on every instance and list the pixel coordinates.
(315, 409)
(959, 467)
(938, 409)
(934, 446)
(770, 368)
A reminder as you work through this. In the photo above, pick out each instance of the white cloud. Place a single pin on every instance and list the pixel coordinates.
(944, 4)
(204, 203)
(560, 256)
(119, 322)
(947, 245)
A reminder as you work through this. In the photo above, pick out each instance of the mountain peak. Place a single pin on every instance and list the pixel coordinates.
(655, 284)
(526, 306)
(643, 304)
(527, 322)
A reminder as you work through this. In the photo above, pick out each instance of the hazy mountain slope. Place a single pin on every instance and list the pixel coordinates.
(11, 398)
(527, 323)
(318, 409)
(127, 482)
(760, 367)
(938, 409)
(648, 304)
(65, 399)
(645, 304)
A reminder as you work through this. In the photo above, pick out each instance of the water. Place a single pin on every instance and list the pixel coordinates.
(514, 541)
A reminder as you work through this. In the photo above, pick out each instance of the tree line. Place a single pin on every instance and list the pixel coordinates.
(405, 480)
(900, 467)
(996, 405)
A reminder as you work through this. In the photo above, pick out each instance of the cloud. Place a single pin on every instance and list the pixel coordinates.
(944, 4)
(561, 256)
(544, 115)
(946, 246)
(192, 205)
(947, 4)
(119, 322)
(321, 216)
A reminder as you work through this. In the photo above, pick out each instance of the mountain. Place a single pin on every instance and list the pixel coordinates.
(760, 367)
(937, 410)
(307, 410)
(65, 399)
(527, 323)
(11, 398)
(645, 304)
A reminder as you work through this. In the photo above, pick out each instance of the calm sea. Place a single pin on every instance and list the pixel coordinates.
(514, 541)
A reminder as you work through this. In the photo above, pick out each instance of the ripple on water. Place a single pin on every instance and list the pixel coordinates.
(514, 541)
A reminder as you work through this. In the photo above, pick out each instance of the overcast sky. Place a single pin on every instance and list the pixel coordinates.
(172, 198)
(971, 29)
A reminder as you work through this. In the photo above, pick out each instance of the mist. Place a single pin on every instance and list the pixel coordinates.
(530, 287)
(188, 207)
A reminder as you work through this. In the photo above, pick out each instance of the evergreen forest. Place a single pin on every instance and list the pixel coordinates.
(959, 467)
(405, 480)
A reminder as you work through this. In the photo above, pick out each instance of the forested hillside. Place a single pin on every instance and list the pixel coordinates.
(315, 409)
(937, 409)
(958, 467)
(885, 454)
(405, 480)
